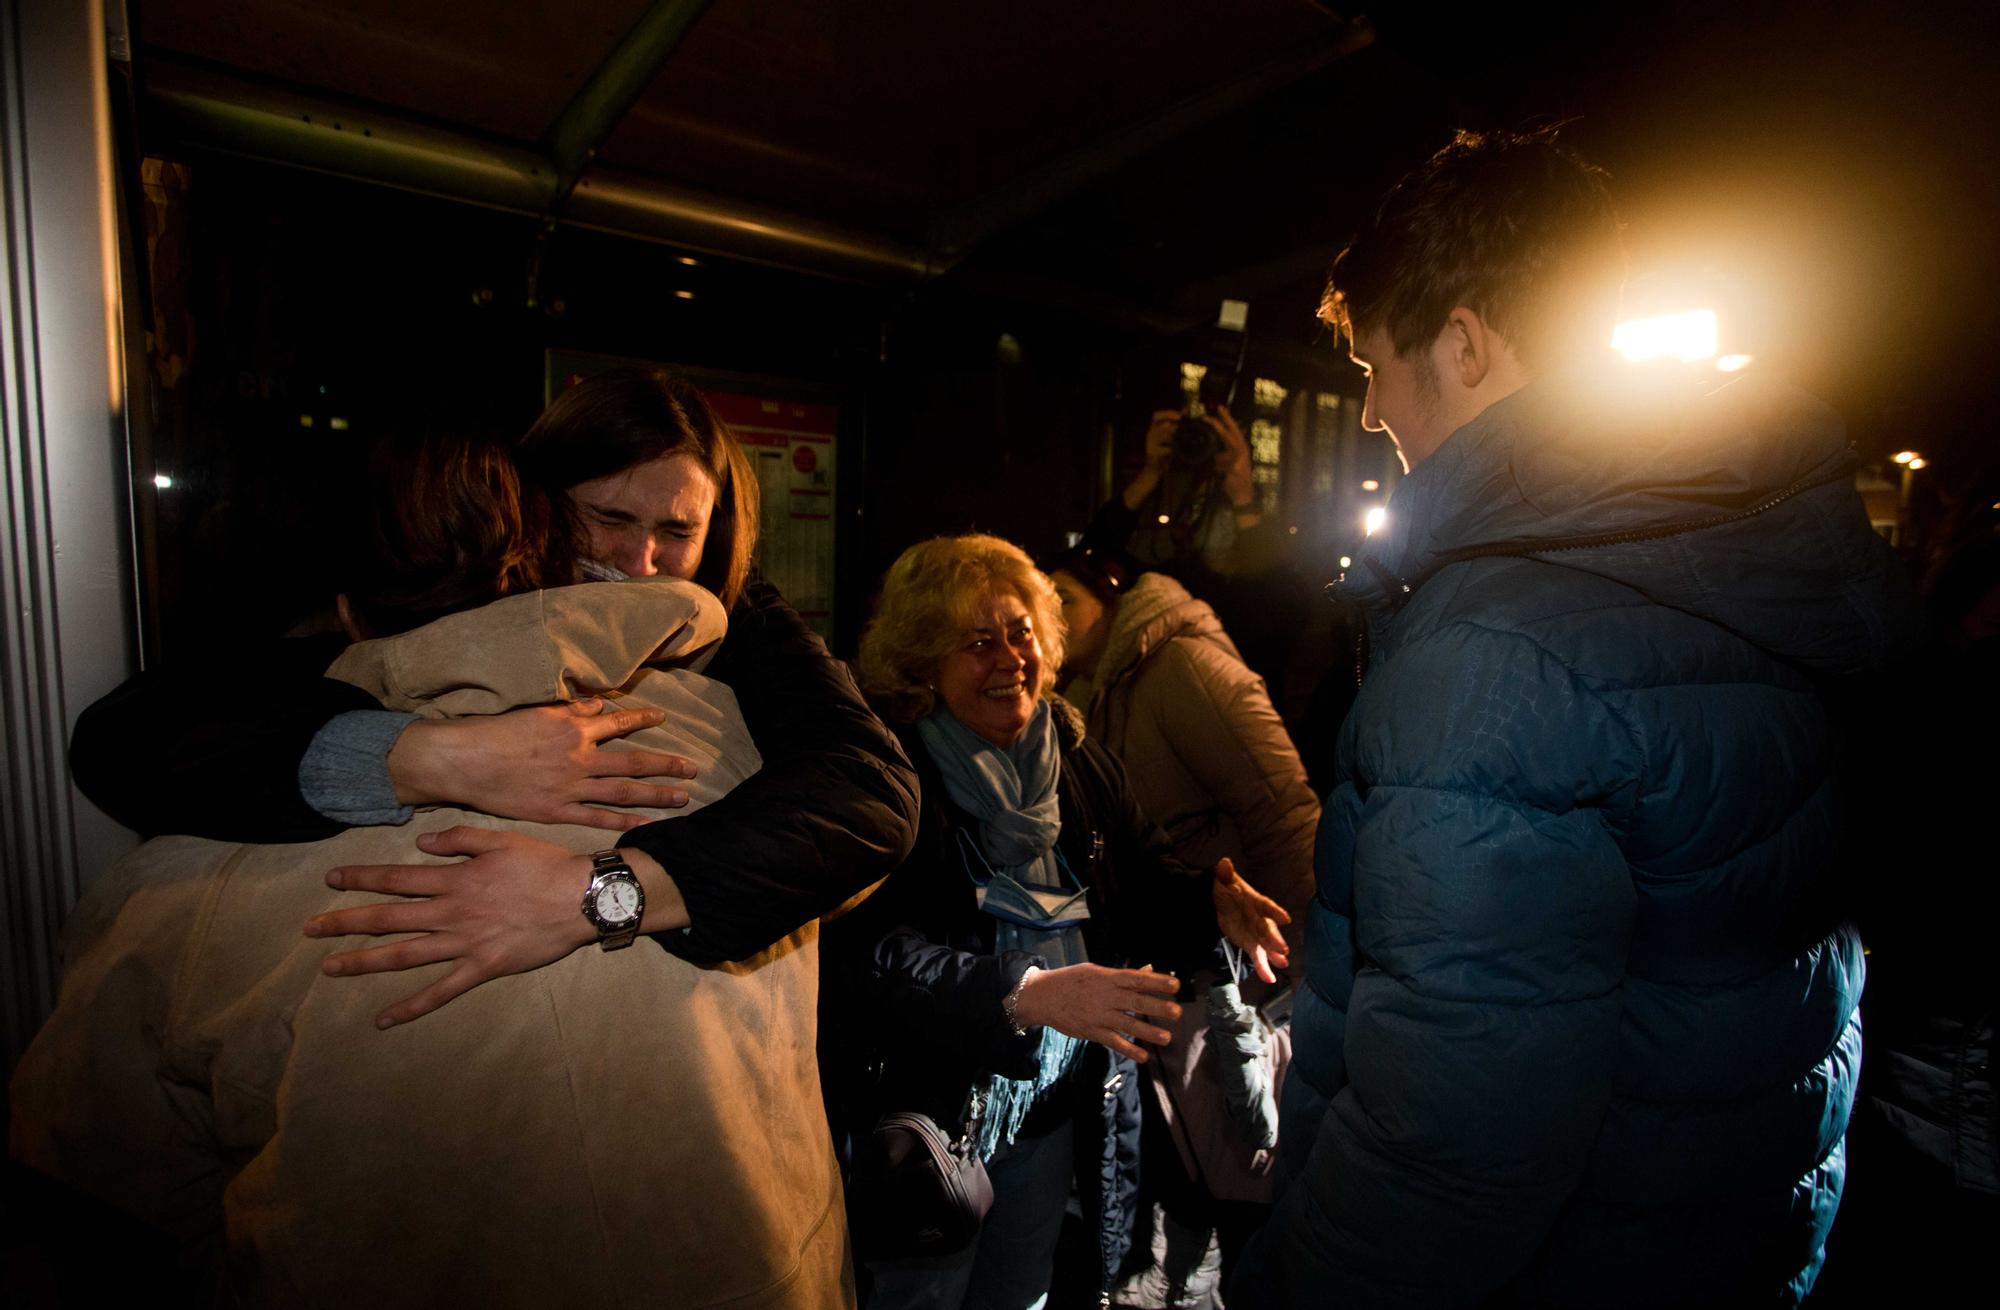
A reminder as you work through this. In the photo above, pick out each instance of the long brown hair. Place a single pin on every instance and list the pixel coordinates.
(625, 417)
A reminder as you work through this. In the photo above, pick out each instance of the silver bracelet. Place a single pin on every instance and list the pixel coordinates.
(1013, 1001)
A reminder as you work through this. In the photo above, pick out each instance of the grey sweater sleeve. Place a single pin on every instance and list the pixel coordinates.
(344, 773)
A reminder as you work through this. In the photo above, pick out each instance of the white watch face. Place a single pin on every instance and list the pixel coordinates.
(617, 902)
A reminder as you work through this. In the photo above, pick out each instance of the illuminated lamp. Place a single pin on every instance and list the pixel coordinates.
(1687, 337)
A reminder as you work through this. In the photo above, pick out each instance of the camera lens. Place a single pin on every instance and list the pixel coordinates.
(1195, 445)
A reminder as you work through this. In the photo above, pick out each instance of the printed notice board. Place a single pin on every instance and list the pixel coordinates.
(791, 440)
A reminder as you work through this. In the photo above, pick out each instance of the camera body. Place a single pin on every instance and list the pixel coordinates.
(1196, 444)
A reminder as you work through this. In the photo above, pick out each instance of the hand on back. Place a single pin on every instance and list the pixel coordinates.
(544, 764)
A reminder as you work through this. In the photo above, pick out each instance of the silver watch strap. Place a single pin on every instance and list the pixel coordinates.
(614, 939)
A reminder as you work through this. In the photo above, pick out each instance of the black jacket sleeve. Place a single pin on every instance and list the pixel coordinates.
(832, 811)
(952, 1000)
(176, 749)
(1167, 910)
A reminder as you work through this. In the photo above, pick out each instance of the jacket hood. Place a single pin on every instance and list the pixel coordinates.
(538, 647)
(1156, 610)
(1735, 504)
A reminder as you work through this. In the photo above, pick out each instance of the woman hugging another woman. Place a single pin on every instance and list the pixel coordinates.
(218, 1075)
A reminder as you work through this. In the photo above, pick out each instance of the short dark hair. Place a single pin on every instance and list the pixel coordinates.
(625, 417)
(1106, 574)
(444, 525)
(1508, 224)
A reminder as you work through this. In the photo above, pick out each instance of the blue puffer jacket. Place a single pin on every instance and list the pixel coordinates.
(1580, 1027)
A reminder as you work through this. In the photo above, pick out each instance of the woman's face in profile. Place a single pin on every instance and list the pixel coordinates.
(650, 520)
(1085, 617)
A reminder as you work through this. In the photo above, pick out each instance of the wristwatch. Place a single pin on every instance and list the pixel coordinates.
(614, 902)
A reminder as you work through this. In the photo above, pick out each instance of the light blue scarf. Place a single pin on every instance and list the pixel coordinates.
(1011, 796)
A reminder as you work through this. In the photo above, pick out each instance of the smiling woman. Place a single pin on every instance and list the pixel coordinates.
(991, 681)
(995, 969)
(945, 597)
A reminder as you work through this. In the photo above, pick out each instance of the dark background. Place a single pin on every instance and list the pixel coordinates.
(1822, 173)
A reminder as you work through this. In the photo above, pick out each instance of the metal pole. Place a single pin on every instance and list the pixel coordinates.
(68, 630)
(603, 101)
(217, 111)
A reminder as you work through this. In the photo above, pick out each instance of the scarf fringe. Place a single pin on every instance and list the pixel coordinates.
(1008, 1100)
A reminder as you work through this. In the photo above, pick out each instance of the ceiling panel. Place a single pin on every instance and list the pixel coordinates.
(885, 111)
(506, 69)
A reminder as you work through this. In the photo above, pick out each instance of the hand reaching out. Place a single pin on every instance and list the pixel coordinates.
(1251, 921)
(545, 764)
(1107, 1006)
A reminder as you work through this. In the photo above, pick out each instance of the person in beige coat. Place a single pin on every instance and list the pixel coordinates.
(1163, 686)
(620, 1127)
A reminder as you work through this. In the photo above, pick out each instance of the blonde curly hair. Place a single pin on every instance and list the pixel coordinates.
(926, 606)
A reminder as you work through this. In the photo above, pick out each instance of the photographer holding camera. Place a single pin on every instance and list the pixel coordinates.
(1192, 513)
(1197, 472)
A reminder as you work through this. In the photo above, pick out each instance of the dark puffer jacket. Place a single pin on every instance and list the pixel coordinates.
(913, 1012)
(1580, 1027)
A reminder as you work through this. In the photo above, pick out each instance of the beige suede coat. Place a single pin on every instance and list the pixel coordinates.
(619, 1128)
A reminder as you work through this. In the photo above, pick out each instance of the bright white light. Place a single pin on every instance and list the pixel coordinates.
(1164, 519)
(1371, 523)
(162, 481)
(1686, 337)
(1371, 485)
(1347, 561)
(1734, 363)
(1904, 456)
(1919, 462)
